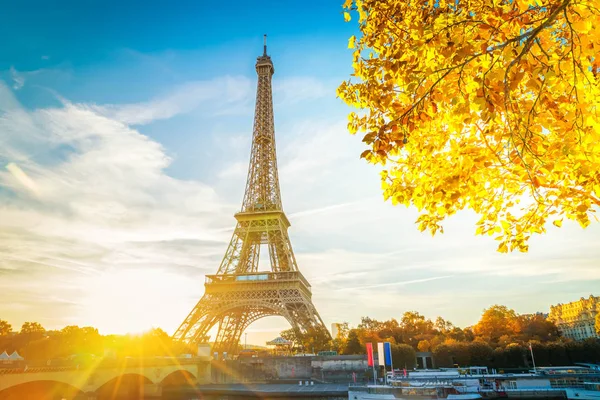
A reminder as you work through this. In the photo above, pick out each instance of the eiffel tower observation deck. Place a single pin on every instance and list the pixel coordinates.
(239, 294)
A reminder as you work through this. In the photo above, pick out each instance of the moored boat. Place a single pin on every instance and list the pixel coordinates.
(590, 391)
(478, 382)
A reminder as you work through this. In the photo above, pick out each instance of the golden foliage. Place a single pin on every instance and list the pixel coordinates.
(490, 105)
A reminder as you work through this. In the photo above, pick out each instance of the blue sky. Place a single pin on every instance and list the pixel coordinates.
(124, 141)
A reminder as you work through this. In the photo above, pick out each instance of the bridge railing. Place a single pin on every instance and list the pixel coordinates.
(117, 363)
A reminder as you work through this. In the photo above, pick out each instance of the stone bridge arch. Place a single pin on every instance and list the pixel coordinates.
(179, 377)
(89, 380)
(40, 390)
(130, 385)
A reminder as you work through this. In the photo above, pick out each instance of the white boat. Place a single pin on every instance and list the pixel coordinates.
(425, 392)
(590, 391)
(476, 382)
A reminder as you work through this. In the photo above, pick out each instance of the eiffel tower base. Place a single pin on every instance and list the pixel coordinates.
(235, 301)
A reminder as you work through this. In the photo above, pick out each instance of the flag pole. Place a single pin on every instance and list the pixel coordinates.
(374, 374)
(387, 346)
(532, 358)
(371, 360)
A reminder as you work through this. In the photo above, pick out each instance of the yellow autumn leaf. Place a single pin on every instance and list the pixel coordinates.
(557, 222)
(351, 42)
(475, 118)
(347, 17)
(502, 248)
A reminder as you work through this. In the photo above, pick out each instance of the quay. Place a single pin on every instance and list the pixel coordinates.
(318, 390)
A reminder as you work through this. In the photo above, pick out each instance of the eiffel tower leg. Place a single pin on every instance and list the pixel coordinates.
(197, 324)
(230, 332)
(242, 253)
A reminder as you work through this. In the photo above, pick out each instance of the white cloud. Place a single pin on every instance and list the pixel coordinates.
(218, 96)
(102, 202)
(236, 169)
(18, 79)
(293, 90)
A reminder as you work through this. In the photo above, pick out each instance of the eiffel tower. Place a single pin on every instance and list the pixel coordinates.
(239, 293)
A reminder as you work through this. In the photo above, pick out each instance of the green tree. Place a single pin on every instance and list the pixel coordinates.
(443, 355)
(480, 353)
(5, 327)
(403, 355)
(515, 356)
(353, 345)
(314, 339)
(558, 354)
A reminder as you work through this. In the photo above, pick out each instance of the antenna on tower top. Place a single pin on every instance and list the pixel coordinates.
(264, 45)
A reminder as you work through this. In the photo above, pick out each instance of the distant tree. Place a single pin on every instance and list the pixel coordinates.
(536, 327)
(289, 334)
(316, 339)
(369, 324)
(41, 349)
(74, 340)
(442, 325)
(480, 353)
(499, 358)
(353, 345)
(343, 330)
(424, 345)
(5, 327)
(515, 356)
(598, 324)
(495, 322)
(456, 334)
(461, 353)
(558, 354)
(389, 329)
(404, 356)
(30, 328)
(339, 340)
(469, 334)
(442, 356)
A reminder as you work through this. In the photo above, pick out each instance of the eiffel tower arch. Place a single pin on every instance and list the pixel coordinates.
(239, 294)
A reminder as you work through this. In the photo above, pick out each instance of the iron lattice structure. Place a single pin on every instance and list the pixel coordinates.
(239, 293)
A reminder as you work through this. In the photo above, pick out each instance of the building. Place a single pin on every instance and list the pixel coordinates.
(576, 320)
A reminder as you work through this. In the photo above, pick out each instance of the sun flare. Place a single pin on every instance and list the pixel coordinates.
(129, 301)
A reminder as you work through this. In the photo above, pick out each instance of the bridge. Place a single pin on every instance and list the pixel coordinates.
(127, 378)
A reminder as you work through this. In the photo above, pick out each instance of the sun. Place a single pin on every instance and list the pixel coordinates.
(134, 301)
